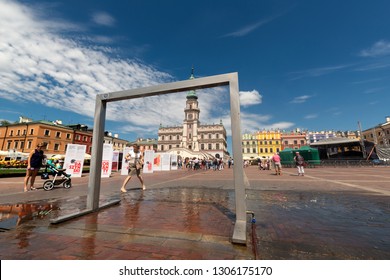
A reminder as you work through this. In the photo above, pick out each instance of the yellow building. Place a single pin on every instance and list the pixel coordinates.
(269, 142)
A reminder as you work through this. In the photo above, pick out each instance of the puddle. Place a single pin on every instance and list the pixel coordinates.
(12, 216)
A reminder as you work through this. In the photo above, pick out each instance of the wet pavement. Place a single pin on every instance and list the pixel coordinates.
(331, 213)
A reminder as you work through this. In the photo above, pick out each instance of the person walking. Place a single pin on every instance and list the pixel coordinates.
(135, 160)
(34, 163)
(299, 162)
(277, 164)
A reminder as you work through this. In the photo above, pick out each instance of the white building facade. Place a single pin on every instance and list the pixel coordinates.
(193, 139)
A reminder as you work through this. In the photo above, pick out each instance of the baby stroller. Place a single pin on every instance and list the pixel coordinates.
(60, 177)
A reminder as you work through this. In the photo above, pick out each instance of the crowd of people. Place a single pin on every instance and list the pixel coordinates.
(266, 163)
(216, 164)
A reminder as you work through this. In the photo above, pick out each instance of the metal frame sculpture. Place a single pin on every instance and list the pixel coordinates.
(231, 80)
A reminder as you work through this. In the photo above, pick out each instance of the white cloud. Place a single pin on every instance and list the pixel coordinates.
(311, 116)
(39, 65)
(103, 18)
(248, 98)
(316, 72)
(300, 99)
(251, 123)
(251, 27)
(380, 48)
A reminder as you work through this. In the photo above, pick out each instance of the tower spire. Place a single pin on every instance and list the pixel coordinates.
(192, 93)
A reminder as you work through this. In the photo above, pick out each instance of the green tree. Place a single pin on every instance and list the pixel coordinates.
(4, 122)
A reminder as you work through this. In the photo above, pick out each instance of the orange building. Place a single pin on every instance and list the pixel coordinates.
(24, 136)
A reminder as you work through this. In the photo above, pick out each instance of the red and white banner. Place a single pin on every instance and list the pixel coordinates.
(107, 160)
(148, 161)
(74, 159)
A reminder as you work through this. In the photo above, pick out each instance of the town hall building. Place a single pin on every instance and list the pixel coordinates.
(193, 139)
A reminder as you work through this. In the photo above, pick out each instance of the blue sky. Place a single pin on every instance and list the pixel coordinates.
(316, 65)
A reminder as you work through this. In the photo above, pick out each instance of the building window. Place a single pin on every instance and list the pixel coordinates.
(285, 142)
(58, 134)
(254, 150)
(85, 138)
(22, 144)
(18, 133)
(248, 150)
(209, 135)
(217, 135)
(16, 145)
(162, 138)
(68, 136)
(9, 145)
(201, 136)
(162, 147)
(47, 132)
(31, 131)
(56, 147)
(202, 146)
(302, 142)
(217, 146)
(170, 147)
(29, 144)
(266, 150)
(295, 142)
(210, 147)
(261, 150)
(271, 150)
(177, 137)
(11, 133)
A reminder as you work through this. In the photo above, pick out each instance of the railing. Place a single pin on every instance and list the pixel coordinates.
(339, 163)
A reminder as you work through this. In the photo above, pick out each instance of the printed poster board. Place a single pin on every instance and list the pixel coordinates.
(107, 160)
(115, 161)
(148, 161)
(125, 165)
(157, 162)
(74, 159)
(165, 162)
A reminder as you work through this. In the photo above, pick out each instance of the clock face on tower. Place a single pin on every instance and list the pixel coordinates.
(190, 116)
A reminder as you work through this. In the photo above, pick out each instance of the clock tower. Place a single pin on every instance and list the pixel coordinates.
(191, 120)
